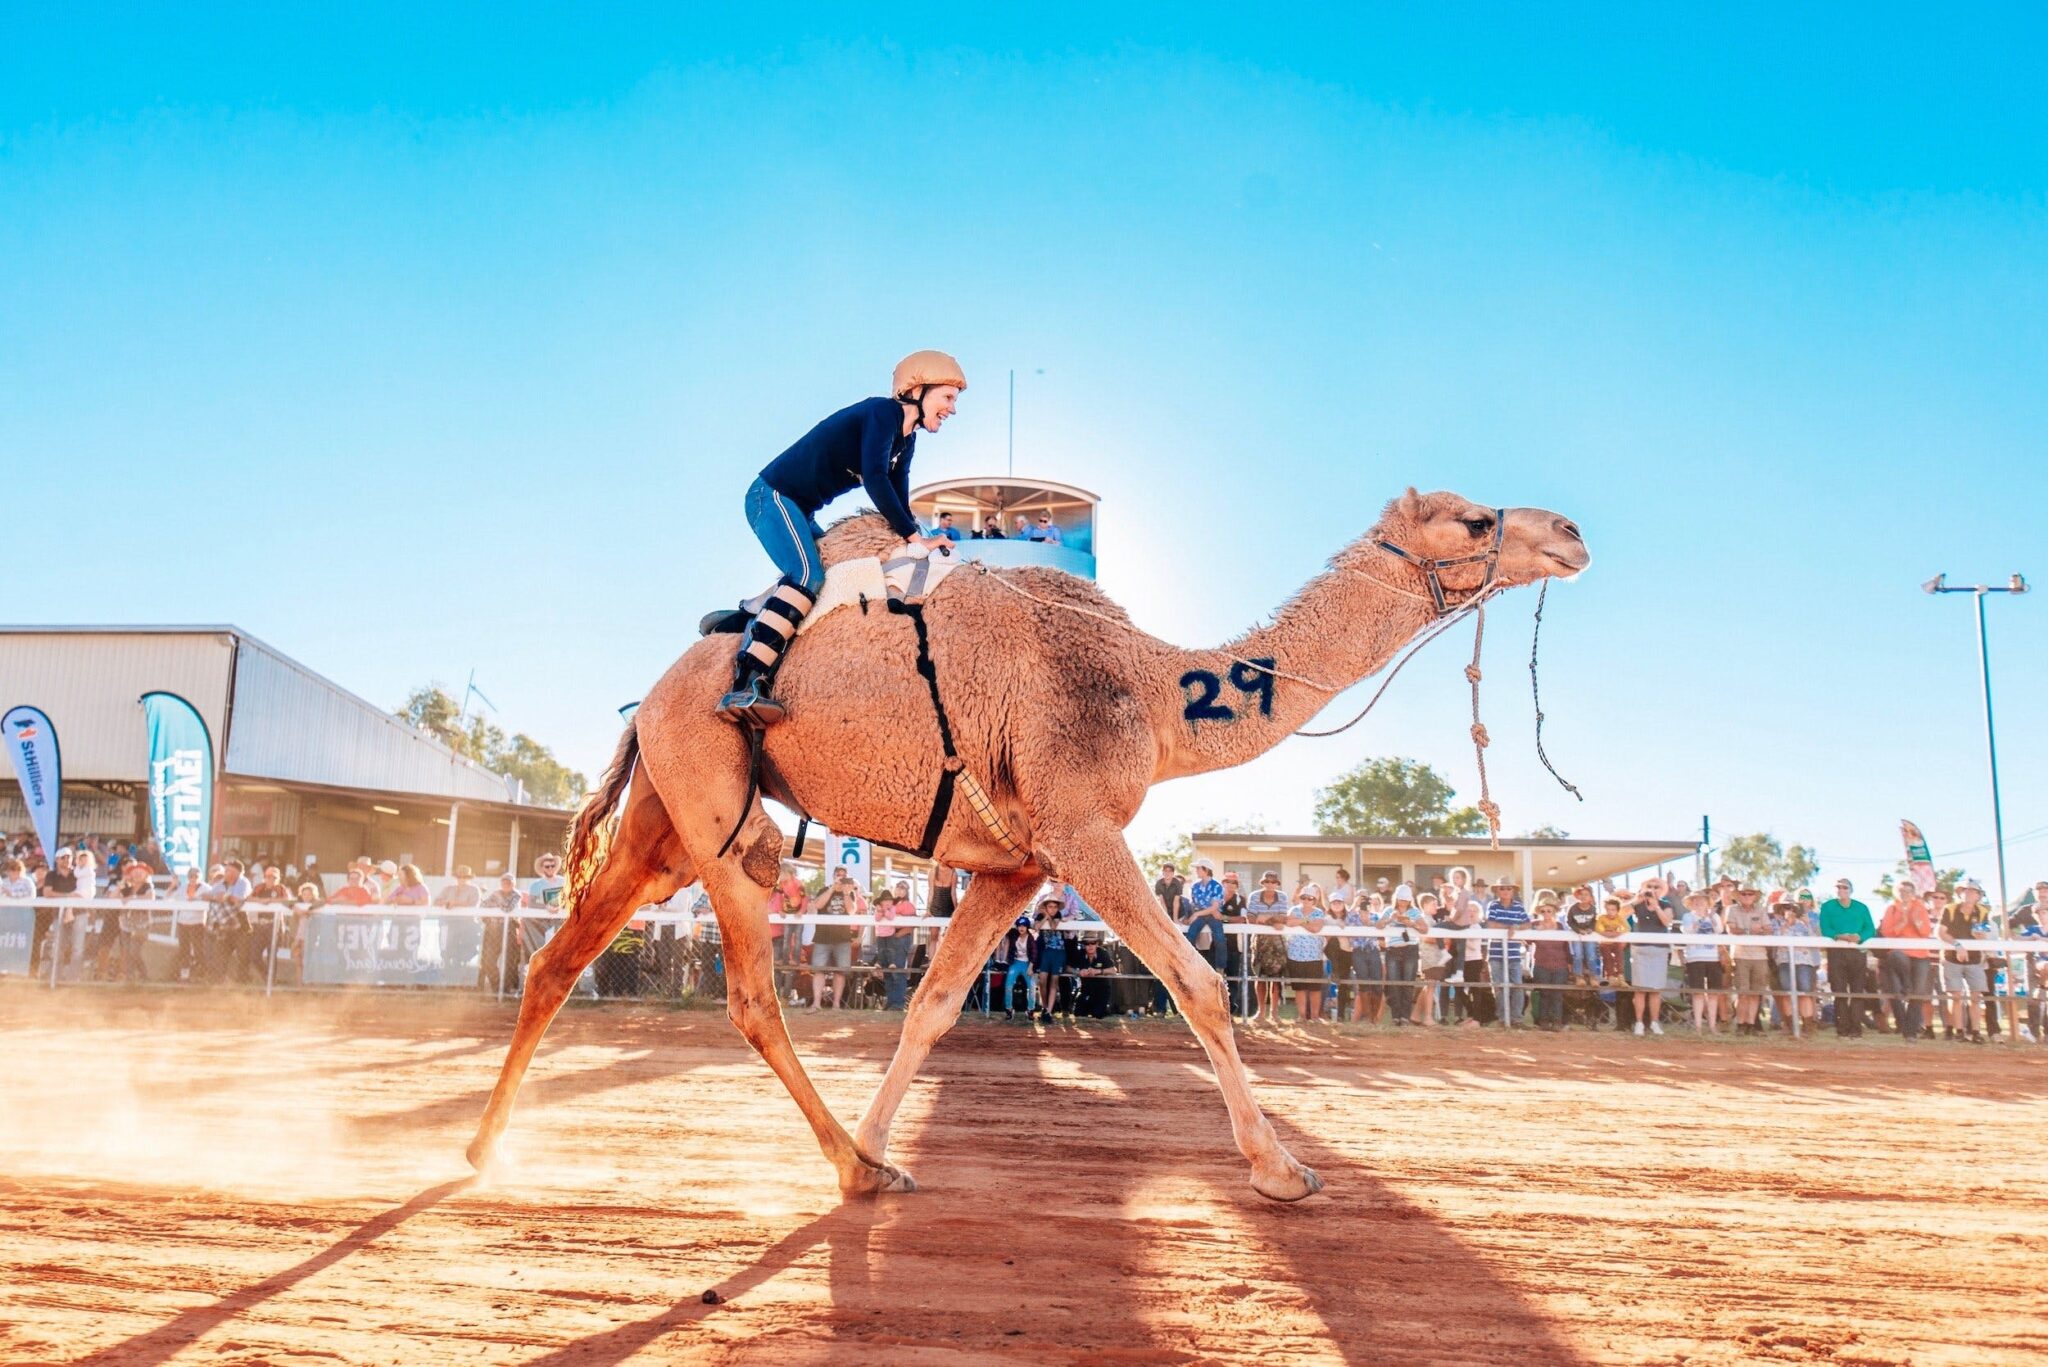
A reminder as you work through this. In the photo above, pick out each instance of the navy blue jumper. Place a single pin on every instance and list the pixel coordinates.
(860, 446)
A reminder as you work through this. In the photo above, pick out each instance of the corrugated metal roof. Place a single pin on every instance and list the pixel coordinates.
(285, 722)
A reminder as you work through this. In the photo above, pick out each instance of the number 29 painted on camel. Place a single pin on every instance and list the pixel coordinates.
(1252, 678)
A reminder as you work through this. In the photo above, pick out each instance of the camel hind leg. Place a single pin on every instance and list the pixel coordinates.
(645, 863)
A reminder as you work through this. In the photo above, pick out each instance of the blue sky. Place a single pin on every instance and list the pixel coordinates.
(418, 343)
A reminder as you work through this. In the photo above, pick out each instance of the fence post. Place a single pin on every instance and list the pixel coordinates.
(270, 961)
(56, 949)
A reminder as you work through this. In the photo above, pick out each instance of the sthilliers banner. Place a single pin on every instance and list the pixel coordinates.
(39, 768)
(1918, 862)
(180, 781)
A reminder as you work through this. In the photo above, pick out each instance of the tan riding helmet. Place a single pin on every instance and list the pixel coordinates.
(921, 368)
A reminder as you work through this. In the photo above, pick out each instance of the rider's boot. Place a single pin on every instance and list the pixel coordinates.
(754, 667)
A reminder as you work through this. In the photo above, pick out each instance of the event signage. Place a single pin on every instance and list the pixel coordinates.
(851, 853)
(1919, 862)
(180, 781)
(39, 768)
(374, 949)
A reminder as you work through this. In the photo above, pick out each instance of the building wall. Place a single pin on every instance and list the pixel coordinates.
(91, 686)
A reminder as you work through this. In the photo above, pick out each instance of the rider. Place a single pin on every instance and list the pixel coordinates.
(867, 445)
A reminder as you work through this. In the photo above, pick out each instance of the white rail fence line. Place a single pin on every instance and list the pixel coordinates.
(2017, 987)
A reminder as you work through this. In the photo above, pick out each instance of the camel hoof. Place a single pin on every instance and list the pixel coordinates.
(879, 1180)
(1304, 1184)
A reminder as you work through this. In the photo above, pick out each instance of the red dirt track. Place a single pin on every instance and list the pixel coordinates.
(220, 1179)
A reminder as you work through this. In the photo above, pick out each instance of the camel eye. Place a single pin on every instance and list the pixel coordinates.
(1478, 526)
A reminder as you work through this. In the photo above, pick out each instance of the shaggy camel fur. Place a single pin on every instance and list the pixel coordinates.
(1065, 717)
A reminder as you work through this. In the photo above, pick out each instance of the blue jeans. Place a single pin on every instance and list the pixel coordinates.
(1585, 958)
(1217, 954)
(1403, 962)
(892, 956)
(1508, 973)
(788, 534)
(1550, 1004)
(1019, 969)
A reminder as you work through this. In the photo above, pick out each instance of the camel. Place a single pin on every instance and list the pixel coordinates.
(1063, 710)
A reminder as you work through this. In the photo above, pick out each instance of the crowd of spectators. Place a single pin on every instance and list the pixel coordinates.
(1042, 528)
(1410, 958)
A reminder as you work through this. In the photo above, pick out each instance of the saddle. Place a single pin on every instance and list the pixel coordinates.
(908, 577)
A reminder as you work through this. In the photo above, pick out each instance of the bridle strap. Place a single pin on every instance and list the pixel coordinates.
(1432, 569)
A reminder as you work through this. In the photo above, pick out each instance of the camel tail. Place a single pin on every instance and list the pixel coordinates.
(590, 835)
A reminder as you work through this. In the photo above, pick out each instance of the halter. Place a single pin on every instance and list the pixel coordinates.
(1431, 569)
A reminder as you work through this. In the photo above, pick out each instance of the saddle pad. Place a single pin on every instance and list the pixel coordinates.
(909, 577)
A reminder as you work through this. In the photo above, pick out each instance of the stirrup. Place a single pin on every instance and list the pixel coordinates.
(751, 705)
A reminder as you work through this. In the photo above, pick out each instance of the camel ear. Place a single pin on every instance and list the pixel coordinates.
(1411, 505)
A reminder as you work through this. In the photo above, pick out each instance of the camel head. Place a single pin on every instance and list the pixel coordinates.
(1535, 543)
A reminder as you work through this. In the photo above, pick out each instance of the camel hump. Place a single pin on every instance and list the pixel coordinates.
(864, 533)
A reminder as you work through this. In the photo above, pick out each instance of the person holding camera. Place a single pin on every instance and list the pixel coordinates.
(832, 944)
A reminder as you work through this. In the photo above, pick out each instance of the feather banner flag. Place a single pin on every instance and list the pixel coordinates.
(180, 781)
(1918, 862)
(39, 768)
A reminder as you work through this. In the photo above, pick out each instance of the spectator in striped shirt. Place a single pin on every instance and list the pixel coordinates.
(1506, 913)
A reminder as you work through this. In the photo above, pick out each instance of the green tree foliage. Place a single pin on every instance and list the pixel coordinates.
(1179, 849)
(1547, 833)
(1394, 797)
(1760, 860)
(547, 779)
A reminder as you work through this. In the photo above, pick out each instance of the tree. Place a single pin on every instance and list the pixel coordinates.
(1547, 833)
(547, 779)
(1179, 848)
(1394, 797)
(1761, 860)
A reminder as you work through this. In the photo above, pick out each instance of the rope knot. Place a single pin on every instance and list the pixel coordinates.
(1472, 675)
(1479, 736)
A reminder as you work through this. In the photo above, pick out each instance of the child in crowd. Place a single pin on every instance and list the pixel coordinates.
(1613, 924)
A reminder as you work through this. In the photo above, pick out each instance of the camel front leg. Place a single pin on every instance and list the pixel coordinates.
(992, 902)
(756, 1010)
(1101, 866)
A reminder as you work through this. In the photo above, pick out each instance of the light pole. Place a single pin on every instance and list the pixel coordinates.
(1013, 417)
(2016, 584)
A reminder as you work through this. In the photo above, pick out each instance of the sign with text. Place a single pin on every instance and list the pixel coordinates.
(180, 781)
(375, 949)
(16, 925)
(39, 768)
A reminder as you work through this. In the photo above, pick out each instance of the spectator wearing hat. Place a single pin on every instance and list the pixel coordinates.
(893, 945)
(1015, 953)
(1847, 922)
(1050, 957)
(1337, 951)
(1404, 926)
(1797, 966)
(1578, 916)
(1200, 916)
(1972, 893)
(1307, 970)
(1270, 910)
(1752, 959)
(1906, 976)
(1506, 914)
(1963, 976)
(1096, 973)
